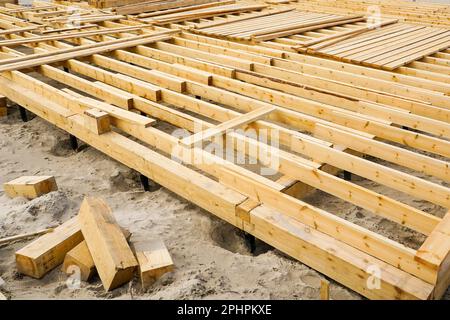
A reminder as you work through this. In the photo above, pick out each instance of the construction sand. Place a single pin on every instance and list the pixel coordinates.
(212, 260)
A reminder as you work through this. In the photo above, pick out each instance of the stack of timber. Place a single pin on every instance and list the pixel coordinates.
(387, 48)
(389, 128)
(90, 243)
(42, 12)
(409, 11)
(203, 13)
(163, 5)
(101, 4)
(280, 1)
(273, 24)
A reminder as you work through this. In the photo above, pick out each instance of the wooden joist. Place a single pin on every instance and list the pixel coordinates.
(14, 42)
(79, 52)
(112, 256)
(30, 186)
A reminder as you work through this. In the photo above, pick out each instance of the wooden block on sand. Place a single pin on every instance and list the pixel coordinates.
(80, 257)
(109, 249)
(30, 186)
(48, 251)
(154, 261)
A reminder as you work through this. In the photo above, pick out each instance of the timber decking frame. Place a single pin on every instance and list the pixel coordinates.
(325, 125)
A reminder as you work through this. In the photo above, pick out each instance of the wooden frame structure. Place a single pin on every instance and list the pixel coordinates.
(327, 116)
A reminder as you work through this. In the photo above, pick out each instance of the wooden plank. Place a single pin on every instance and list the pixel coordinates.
(186, 8)
(113, 257)
(337, 261)
(8, 240)
(223, 127)
(30, 186)
(77, 52)
(47, 252)
(435, 252)
(154, 261)
(17, 30)
(33, 40)
(149, 7)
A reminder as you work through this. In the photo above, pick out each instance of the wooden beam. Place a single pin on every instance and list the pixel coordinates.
(229, 125)
(47, 252)
(113, 257)
(30, 186)
(80, 257)
(435, 252)
(34, 40)
(97, 121)
(77, 52)
(154, 261)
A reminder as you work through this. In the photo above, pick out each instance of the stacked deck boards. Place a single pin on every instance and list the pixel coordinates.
(164, 19)
(389, 128)
(271, 25)
(389, 47)
(437, 14)
(155, 6)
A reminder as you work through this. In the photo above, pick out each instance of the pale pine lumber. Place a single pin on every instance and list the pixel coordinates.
(18, 42)
(81, 258)
(324, 289)
(285, 233)
(435, 252)
(25, 236)
(39, 59)
(154, 261)
(110, 251)
(167, 6)
(97, 121)
(48, 251)
(30, 186)
(231, 124)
